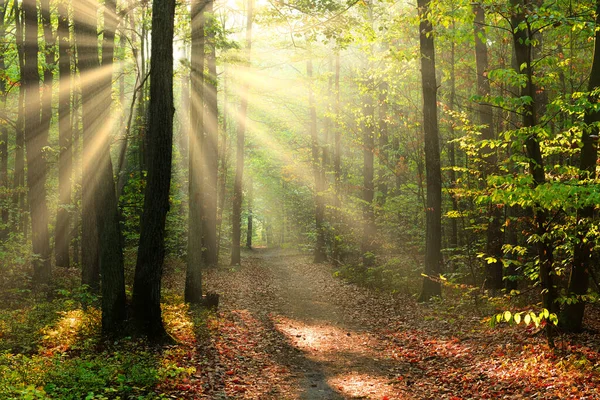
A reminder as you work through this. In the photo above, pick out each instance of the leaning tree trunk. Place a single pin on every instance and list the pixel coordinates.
(63, 220)
(36, 139)
(193, 279)
(151, 252)
(236, 213)
(433, 240)
(572, 316)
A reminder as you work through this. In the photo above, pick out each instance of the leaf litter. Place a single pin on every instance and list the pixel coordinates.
(287, 329)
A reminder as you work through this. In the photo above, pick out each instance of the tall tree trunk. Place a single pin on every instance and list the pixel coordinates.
(236, 213)
(337, 173)
(572, 316)
(493, 270)
(249, 202)
(319, 255)
(63, 220)
(433, 240)
(85, 30)
(369, 229)
(36, 139)
(19, 174)
(151, 252)
(223, 165)
(107, 211)
(453, 242)
(210, 148)
(193, 281)
(522, 38)
(382, 184)
(4, 202)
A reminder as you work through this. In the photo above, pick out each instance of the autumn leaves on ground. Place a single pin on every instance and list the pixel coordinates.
(287, 329)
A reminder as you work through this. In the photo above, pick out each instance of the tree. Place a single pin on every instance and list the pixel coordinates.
(493, 271)
(319, 254)
(100, 207)
(210, 149)
(522, 39)
(4, 203)
(36, 139)
(193, 281)
(572, 315)
(62, 235)
(236, 213)
(151, 251)
(433, 238)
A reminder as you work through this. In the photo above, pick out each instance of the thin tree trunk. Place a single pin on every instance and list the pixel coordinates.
(236, 213)
(337, 173)
(63, 220)
(433, 241)
(249, 202)
(210, 148)
(19, 174)
(369, 228)
(36, 139)
(319, 255)
(4, 208)
(452, 149)
(151, 252)
(494, 238)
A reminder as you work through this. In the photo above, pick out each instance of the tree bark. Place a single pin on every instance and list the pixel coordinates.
(433, 240)
(151, 251)
(236, 231)
(36, 139)
(63, 219)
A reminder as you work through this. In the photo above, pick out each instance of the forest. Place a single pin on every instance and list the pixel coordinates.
(299, 199)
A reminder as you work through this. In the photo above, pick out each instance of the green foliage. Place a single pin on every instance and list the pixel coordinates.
(527, 317)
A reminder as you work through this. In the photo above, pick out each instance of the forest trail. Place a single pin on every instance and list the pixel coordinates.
(288, 329)
(322, 344)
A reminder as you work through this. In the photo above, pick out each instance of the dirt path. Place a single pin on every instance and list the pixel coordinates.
(321, 344)
(287, 329)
